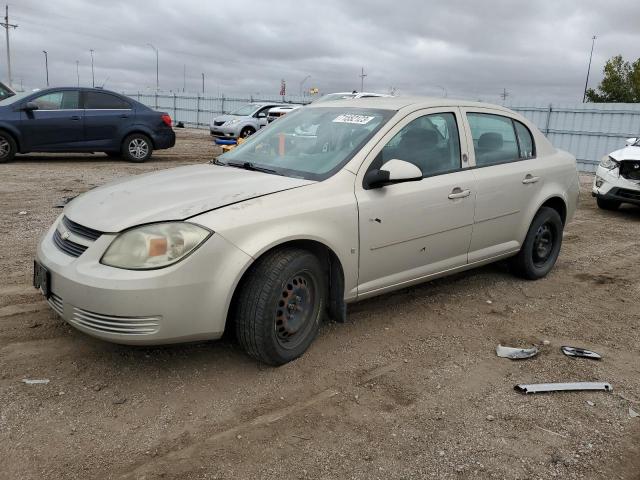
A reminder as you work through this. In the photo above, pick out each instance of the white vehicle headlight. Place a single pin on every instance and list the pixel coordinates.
(233, 122)
(154, 246)
(608, 163)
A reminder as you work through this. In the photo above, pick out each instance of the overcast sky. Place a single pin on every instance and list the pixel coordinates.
(473, 49)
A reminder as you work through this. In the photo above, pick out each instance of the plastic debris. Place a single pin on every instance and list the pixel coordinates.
(633, 413)
(580, 352)
(516, 353)
(23, 212)
(30, 381)
(562, 387)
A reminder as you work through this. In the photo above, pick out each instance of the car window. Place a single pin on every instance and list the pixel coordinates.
(245, 111)
(65, 100)
(430, 142)
(525, 140)
(494, 139)
(104, 101)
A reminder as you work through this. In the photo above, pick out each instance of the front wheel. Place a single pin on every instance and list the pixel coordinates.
(279, 305)
(247, 132)
(137, 148)
(607, 204)
(7, 147)
(541, 246)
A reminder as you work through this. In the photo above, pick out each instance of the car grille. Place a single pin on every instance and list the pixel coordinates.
(218, 123)
(67, 246)
(629, 194)
(78, 229)
(55, 302)
(113, 324)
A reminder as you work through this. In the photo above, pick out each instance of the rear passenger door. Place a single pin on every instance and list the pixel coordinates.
(106, 116)
(508, 177)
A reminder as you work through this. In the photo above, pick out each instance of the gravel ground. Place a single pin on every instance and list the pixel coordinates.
(409, 388)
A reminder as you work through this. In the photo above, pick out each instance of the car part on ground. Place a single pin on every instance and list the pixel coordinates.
(516, 353)
(580, 352)
(562, 387)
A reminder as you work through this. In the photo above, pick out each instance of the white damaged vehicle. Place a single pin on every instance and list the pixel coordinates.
(617, 178)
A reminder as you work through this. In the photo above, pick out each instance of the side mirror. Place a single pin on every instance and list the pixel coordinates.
(393, 171)
(631, 141)
(30, 106)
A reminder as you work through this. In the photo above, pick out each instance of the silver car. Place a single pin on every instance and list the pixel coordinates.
(242, 122)
(331, 204)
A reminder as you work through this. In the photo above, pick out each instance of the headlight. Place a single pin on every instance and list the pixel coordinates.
(154, 246)
(608, 163)
(233, 122)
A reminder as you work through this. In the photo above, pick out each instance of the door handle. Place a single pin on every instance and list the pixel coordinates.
(75, 117)
(530, 179)
(459, 193)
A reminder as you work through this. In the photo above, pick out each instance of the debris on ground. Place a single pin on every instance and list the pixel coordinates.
(23, 212)
(580, 352)
(30, 381)
(562, 387)
(633, 413)
(516, 353)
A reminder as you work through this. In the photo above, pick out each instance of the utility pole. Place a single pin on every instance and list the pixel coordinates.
(584, 95)
(302, 83)
(362, 75)
(93, 76)
(157, 68)
(504, 95)
(7, 26)
(46, 65)
(184, 78)
(78, 71)
(203, 83)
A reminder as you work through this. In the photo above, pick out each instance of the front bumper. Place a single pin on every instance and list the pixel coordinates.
(608, 185)
(226, 131)
(186, 301)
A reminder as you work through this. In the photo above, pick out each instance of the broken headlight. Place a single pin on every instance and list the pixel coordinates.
(608, 163)
(153, 246)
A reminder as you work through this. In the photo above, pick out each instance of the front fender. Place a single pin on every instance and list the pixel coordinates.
(15, 132)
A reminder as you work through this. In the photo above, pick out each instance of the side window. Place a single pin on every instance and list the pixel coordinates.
(66, 100)
(430, 142)
(104, 101)
(525, 140)
(494, 139)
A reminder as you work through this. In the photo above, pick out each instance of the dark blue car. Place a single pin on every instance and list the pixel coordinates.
(81, 120)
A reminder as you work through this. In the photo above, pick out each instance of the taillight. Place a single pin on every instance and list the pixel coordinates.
(166, 119)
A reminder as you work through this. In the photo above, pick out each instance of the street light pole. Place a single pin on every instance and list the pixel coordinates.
(7, 26)
(302, 83)
(93, 76)
(203, 83)
(78, 71)
(157, 67)
(584, 95)
(46, 65)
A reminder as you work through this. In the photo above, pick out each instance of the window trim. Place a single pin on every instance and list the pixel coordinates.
(512, 120)
(437, 174)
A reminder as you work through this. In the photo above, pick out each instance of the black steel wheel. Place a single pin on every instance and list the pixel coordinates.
(541, 246)
(279, 305)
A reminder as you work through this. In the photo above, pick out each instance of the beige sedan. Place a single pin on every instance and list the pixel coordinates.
(334, 203)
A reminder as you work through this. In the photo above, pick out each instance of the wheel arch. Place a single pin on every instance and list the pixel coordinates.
(558, 204)
(14, 135)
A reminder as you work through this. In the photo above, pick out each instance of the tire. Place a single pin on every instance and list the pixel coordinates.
(113, 154)
(247, 132)
(541, 246)
(608, 204)
(280, 304)
(7, 147)
(137, 148)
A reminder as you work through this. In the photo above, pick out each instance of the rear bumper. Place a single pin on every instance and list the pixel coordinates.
(164, 140)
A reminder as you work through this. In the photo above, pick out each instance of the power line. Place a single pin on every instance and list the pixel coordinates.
(7, 26)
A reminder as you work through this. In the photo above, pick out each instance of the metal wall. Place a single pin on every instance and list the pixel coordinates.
(587, 130)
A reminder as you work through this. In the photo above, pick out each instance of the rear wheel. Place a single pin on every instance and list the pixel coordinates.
(247, 132)
(279, 305)
(7, 147)
(137, 148)
(608, 204)
(541, 246)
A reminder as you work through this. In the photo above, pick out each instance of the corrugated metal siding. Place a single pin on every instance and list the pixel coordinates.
(587, 130)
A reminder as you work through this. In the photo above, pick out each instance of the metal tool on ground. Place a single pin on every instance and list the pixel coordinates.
(563, 387)
(580, 352)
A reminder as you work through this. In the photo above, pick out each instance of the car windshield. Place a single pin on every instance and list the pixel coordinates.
(246, 110)
(14, 98)
(311, 143)
(334, 96)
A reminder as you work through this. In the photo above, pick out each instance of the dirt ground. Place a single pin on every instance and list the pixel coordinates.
(409, 388)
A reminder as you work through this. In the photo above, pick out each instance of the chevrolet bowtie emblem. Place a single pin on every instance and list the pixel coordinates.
(65, 235)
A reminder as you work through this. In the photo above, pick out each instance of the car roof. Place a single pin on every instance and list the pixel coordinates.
(398, 103)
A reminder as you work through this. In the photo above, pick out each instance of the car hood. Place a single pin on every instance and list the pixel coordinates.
(172, 194)
(226, 118)
(627, 153)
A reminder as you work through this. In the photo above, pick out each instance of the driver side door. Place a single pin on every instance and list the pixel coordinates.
(411, 231)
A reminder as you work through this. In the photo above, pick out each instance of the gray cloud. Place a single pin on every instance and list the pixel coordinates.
(472, 49)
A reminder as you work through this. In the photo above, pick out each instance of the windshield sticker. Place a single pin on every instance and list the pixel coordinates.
(349, 118)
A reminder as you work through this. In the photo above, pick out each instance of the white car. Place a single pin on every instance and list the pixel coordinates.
(273, 237)
(329, 97)
(617, 177)
(277, 112)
